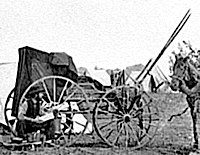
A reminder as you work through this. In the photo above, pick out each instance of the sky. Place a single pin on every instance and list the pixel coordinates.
(104, 33)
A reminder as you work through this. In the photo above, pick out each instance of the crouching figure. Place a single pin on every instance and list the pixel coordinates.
(29, 118)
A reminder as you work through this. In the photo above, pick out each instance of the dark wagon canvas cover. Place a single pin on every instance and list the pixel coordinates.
(34, 64)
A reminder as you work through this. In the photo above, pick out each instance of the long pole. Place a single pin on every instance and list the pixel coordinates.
(143, 69)
(174, 34)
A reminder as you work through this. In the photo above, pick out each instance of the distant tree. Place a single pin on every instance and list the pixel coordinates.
(186, 50)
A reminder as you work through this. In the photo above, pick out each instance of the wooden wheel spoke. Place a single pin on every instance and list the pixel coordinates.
(54, 89)
(46, 90)
(117, 120)
(126, 99)
(109, 133)
(113, 106)
(143, 114)
(70, 87)
(126, 135)
(121, 105)
(150, 114)
(116, 108)
(147, 123)
(132, 110)
(109, 123)
(136, 114)
(109, 112)
(68, 97)
(145, 133)
(150, 119)
(69, 119)
(110, 103)
(119, 133)
(66, 126)
(63, 90)
(134, 133)
(143, 106)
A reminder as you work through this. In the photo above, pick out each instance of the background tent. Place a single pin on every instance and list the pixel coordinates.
(100, 75)
(156, 78)
(8, 73)
(83, 79)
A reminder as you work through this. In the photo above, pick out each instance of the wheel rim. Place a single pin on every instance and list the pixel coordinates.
(122, 122)
(66, 96)
(10, 120)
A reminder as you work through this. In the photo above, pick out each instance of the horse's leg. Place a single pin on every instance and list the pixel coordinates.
(195, 126)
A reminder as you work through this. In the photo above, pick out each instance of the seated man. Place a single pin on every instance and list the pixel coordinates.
(28, 118)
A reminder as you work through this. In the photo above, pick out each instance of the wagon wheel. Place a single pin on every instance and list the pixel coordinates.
(65, 95)
(125, 117)
(10, 120)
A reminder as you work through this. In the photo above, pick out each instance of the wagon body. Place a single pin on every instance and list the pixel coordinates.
(121, 116)
(34, 64)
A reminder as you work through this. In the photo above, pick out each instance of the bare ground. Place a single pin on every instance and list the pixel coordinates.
(173, 137)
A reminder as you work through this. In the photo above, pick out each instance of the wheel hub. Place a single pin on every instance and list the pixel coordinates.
(127, 118)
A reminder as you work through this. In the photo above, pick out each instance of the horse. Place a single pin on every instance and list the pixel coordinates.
(186, 79)
(185, 76)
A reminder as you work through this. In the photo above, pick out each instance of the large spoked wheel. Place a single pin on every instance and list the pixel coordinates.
(65, 95)
(10, 120)
(125, 117)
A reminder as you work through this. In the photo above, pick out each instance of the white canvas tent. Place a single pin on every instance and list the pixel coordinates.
(100, 75)
(158, 77)
(8, 72)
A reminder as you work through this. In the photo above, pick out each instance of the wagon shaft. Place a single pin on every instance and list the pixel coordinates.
(172, 37)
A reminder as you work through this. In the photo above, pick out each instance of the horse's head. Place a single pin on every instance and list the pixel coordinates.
(180, 72)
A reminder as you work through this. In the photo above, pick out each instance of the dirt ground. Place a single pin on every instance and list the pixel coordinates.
(173, 137)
